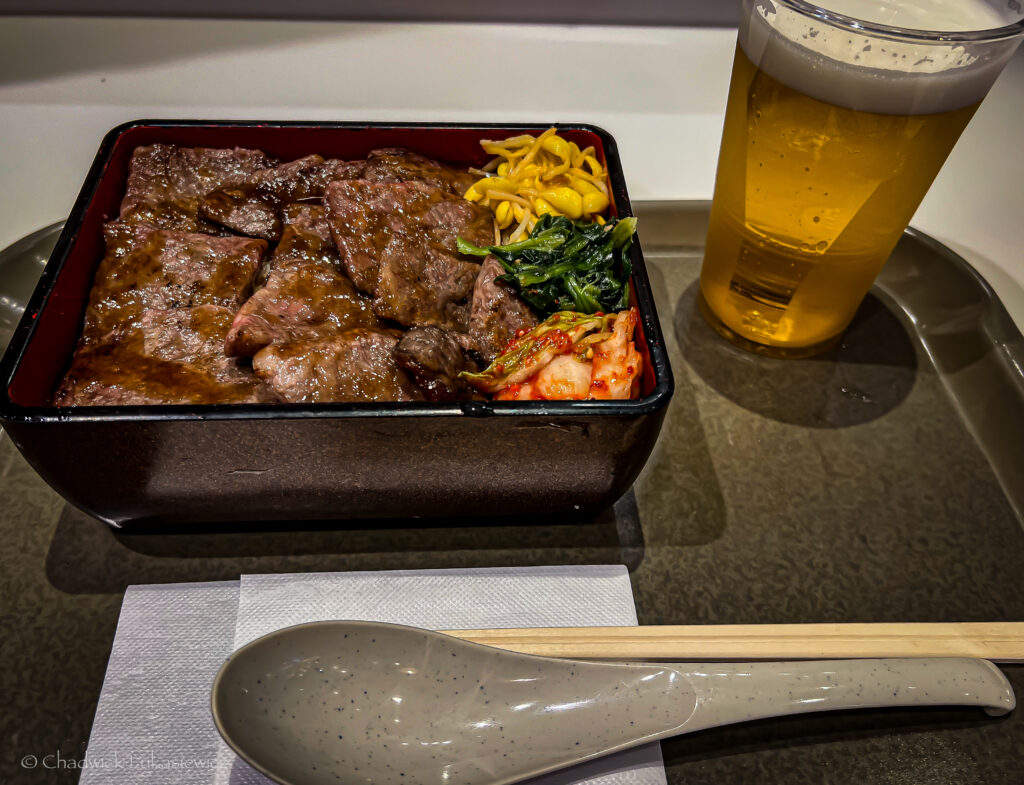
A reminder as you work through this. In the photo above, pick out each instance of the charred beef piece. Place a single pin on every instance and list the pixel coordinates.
(305, 294)
(166, 183)
(252, 207)
(497, 312)
(349, 170)
(164, 269)
(434, 357)
(363, 218)
(397, 241)
(394, 165)
(422, 284)
(170, 356)
(123, 236)
(356, 365)
(156, 321)
(306, 235)
(301, 300)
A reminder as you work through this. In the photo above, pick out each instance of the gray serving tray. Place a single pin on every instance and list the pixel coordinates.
(930, 325)
(20, 267)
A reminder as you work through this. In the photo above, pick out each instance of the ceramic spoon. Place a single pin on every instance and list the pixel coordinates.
(362, 702)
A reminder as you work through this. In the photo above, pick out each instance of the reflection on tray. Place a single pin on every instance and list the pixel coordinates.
(867, 375)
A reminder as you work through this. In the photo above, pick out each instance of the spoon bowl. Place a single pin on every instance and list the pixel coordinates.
(367, 702)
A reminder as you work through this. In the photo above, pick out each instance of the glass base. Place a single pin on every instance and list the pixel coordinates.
(763, 349)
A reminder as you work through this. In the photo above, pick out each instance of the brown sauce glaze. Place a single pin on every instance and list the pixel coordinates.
(356, 365)
(367, 219)
(251, 207)
(169, 269)
(166, 183)
(171, 356)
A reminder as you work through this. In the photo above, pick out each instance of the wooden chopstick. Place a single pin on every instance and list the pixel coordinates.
(997, 641)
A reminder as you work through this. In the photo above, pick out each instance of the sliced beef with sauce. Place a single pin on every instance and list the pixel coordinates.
(368, 219)
(173, 305)
(394, 165)
(349, 170)
(166, 183)
(306, 235)
(363, 217)
(435, 358)
(497, 312)
(356, 365)
(420, 283)
(169, 356)
(123, 236)
(305, 294)
(301, 300)
(253, 206)
(157, 317)
(165, 269)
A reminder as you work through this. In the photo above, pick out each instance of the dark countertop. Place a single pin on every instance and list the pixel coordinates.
(852, 487)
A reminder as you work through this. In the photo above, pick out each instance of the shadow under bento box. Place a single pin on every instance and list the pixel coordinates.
(259, 462)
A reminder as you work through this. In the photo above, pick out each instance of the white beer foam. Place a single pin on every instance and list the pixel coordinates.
(935, 15)
(878, 75)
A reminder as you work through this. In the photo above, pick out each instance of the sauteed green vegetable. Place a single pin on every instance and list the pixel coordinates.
(568, 266)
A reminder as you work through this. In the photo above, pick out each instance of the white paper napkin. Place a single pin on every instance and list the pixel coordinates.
(577, 596)
(153, 721)
(171, 641)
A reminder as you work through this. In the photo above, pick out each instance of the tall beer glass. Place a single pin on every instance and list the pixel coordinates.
(837, 122)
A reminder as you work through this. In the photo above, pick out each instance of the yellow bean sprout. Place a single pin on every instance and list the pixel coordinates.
(533, 175)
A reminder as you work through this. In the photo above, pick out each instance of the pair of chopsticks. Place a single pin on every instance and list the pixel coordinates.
(996, 641)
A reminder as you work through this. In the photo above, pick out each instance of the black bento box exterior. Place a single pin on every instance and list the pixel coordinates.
(260, 462)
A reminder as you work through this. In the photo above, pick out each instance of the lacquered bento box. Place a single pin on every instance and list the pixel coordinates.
(259, 462)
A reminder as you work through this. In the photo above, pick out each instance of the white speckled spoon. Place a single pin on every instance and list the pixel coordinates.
(363, 702)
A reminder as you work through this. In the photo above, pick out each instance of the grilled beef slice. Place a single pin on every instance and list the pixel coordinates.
(422, 284)
(252, 206)
(306, 235)
(157, 317)
(497, 313)
(434, 357)
(305, 294)
(356, 365)
(394, 165)
(166, 183)
(169, 356)
(363, 217)
(169, 269)
(301, 300)
(397, 241)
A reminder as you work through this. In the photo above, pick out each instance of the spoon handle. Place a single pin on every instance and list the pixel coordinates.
(736, 692)
(996, 641)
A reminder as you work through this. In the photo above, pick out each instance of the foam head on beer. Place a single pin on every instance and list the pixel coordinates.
(871, 75)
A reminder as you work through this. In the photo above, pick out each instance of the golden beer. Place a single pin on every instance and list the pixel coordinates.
(811, 195)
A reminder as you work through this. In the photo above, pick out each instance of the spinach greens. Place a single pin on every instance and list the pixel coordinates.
(568, 266)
